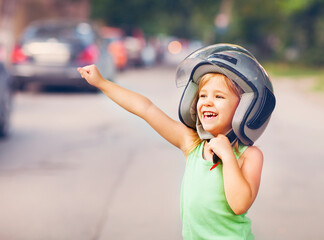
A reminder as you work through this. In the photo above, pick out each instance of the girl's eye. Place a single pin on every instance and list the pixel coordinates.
(219, 96)
(202, 95)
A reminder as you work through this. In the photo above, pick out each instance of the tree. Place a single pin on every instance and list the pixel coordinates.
(183, 18)
(268, 28)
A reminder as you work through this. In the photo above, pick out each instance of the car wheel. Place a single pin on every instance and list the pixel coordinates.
(4, 129)
(21, 87)
(4, 123)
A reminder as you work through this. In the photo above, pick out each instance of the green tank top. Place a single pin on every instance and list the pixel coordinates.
(205, 212)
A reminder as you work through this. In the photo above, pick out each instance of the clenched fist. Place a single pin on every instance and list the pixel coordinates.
(92, 75)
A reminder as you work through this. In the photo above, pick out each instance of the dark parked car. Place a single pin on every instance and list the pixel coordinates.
(49, 53)
(5, 100)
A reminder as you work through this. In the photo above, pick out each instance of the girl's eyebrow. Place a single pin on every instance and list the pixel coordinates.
(219, 91)
(214, 91)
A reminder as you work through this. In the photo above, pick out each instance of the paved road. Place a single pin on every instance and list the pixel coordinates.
(79, 167)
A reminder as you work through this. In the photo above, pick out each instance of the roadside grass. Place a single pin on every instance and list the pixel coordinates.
(297, 72)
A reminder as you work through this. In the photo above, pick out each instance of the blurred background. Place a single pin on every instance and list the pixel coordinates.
(75, 166)
(285, 31)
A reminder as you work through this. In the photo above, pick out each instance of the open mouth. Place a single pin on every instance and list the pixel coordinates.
(209, 115)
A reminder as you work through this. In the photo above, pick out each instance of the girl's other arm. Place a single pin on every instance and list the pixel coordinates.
(241, 181)
(173, 131)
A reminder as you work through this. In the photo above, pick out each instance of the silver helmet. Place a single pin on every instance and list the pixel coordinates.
(240, 66)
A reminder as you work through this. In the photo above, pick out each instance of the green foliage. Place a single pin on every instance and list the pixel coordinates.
(297, 72)
(286, 30)
(176, 17)
(292, 6)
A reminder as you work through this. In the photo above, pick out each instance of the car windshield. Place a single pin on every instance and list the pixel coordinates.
(79, 32)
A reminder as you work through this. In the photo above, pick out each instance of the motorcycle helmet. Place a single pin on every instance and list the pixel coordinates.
(257, 101)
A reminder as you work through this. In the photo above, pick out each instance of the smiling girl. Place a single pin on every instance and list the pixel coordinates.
(225, 107)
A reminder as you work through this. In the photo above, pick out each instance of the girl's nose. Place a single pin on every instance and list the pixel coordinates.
(208, 101)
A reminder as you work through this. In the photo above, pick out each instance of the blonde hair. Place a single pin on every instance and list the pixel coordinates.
(231, 86)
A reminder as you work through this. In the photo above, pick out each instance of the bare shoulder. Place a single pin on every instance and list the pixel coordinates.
(253, 152)
(252, 168)
(252, 158)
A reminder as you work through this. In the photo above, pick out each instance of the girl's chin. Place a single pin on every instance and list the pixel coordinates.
(211, 130)
(214, 131)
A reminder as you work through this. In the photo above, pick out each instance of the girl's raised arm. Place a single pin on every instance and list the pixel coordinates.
(173, 131)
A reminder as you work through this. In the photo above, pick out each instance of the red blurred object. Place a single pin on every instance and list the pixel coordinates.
(118, 50)
(116, 45)
(89, 55)
(18, 55)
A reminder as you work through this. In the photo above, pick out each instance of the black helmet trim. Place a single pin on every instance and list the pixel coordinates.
(268, 103)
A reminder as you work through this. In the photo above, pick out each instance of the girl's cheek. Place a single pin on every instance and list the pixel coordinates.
(198, 106)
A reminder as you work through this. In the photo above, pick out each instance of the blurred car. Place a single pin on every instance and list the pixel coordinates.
(50, 51)
(114, 38)
(5, 98)
(135, 45)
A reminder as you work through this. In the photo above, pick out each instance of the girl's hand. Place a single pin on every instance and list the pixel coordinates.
(91, 74)
(220, 146)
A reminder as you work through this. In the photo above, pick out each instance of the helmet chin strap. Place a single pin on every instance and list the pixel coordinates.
(204, 135)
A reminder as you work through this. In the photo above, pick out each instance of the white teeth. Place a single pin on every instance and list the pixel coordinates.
(209, 114)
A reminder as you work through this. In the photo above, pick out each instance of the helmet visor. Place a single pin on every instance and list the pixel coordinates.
(184, 71)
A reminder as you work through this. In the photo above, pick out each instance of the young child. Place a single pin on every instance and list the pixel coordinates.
(225, 107)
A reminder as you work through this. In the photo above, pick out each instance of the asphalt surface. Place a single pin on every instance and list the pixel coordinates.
(76, 166)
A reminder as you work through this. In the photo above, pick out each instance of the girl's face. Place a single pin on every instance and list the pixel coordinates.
(216, 105)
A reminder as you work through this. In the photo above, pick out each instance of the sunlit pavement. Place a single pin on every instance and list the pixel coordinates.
(78, 167)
